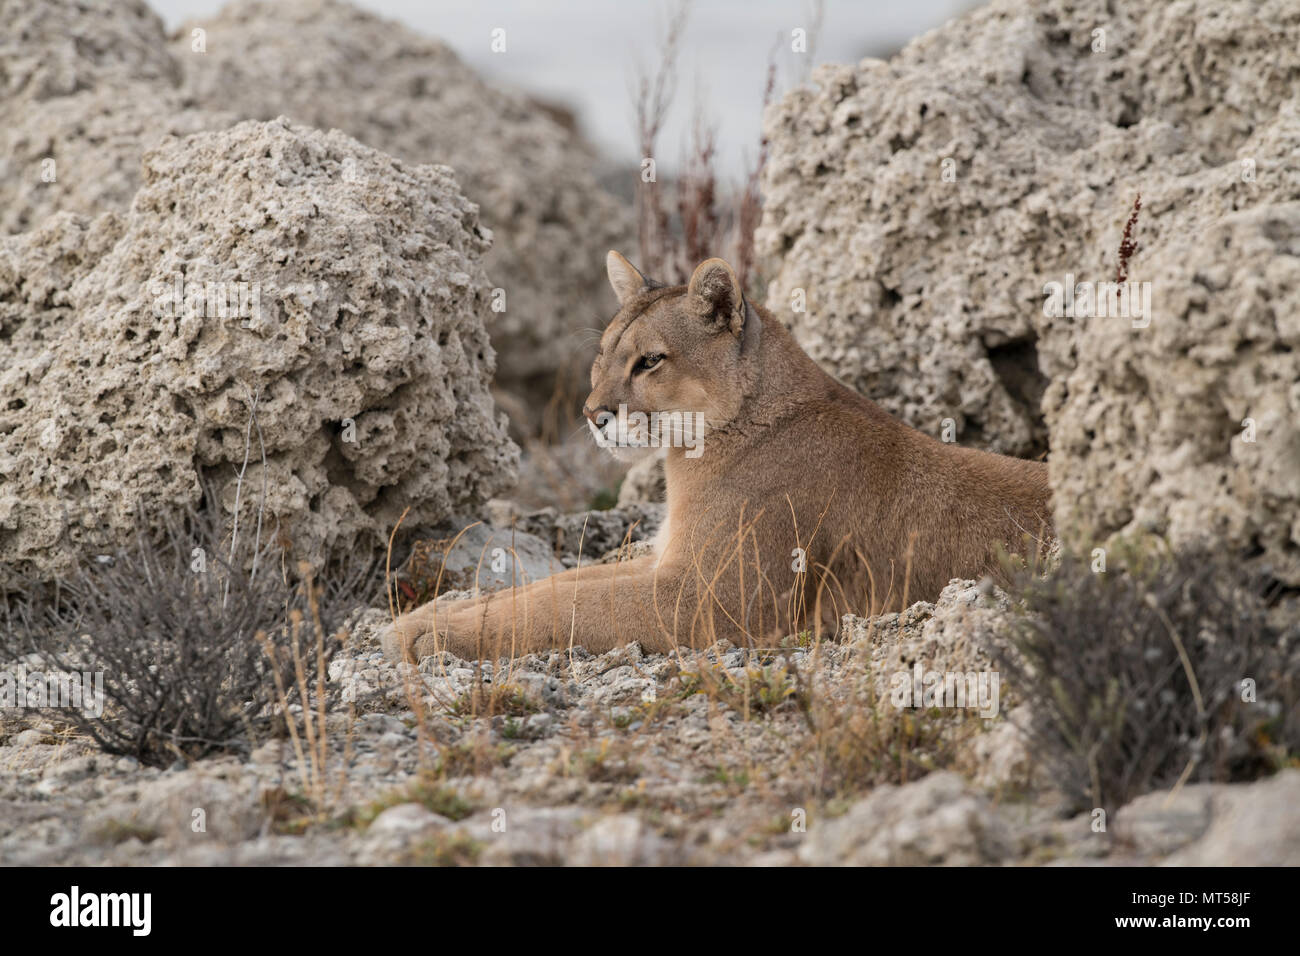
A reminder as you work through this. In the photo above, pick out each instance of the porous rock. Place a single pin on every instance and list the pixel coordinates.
(339, 287)
(53, 48)
(922, 205)
(331, 65)
(1252, 824)
(953, 636)
(645, 483)
(934, 821)
(81, 153)
(85, 88)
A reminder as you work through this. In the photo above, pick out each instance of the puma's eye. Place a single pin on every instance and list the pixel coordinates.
(648, 363)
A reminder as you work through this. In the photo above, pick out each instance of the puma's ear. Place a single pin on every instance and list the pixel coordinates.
(623, 276)
(714, 295)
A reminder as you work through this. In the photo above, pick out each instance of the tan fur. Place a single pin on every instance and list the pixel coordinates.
(792, 459)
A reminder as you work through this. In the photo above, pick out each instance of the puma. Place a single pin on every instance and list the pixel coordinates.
(799, 501)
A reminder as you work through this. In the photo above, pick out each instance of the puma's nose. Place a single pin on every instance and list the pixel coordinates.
(593, 413)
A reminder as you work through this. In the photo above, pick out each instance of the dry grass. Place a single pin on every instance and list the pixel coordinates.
(860, 740)
(445, 849)
(306, 725)
(428, 792)
(842, 735)
(707, 217)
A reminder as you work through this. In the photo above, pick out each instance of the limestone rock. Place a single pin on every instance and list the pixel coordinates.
(619, 840)
(645, 483)
(475, 556)
(1251, 824)
(534, 836)
(53, 48)
(331, 65)
(922, 205)
(935, 821)
(1156, 824)
(85, 88)
(216, 796)
(953, 636)
(595, 534)
(1191, 427)
(405, 821)
(342, 287)
(81, 153)
(37, 272)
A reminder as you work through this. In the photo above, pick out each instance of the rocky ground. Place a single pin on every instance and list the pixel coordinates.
(385, 207)
(721, 757)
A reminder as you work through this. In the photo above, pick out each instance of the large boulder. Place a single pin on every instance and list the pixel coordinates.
(53, 48)
(936, 821)
(85, 87)
(37, 273)
(340, 288)
(331, 65)
(924, 204)
(81, 153)
(1191, 426)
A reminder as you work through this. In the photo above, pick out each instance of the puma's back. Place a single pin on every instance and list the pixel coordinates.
(794, 467)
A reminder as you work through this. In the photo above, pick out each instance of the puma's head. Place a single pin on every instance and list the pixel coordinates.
(688, 350)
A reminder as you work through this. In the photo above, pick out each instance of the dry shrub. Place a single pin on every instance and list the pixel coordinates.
(1134, 675)
(184, 626)
(711, 218)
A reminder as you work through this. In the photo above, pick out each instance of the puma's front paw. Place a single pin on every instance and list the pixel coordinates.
(409, 638)
(393, 643)
(473, 633)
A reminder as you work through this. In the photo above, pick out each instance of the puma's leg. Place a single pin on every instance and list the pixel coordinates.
(660, 606)
(506, 610)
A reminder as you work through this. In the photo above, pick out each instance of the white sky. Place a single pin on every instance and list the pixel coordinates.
(582, 53)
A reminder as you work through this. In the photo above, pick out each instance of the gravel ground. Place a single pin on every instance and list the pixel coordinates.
(719, 757)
